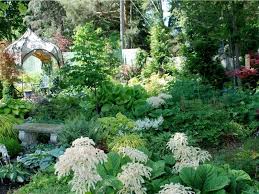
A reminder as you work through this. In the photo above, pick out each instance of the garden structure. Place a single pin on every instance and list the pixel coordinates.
(31, 44)
(28, 132)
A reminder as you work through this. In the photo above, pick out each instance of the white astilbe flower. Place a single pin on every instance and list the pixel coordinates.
(155, 101)
(178, 139)
(147, 123)
(134, 154)
(82, 158)
(176, 189)
(132, 177)
(186, 156)
(164, 96)
(83, 141)
(4, 153)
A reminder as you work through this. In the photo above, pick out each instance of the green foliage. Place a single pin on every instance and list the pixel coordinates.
(56, 109)
(160, 51)
(130, 140)
(207, 115)
(17, 108)
(141, 59)
(157, 143)
(105, 14)
(207, 26)
(113, 98)
(205, 178)
(186, 88)
(242, 107)
(94, 58)
(45, 17)
(245, 157)
(44, 183)
(11, 24)
(6, 126)
(80, 126)
(41, 159)
(204, 123)
(14, 173)
(208, 178)
(114, 125)
(109, 171)
(12, 145)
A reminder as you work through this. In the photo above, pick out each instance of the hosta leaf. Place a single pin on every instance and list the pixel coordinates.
(222, 191)
(187, 175)
(7, 110)
(240, 175)
(158, 168)
(106, 107)
(113, 164)
(215, 183)
(15, 112)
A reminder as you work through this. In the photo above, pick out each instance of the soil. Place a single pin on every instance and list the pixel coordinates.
(8, 187)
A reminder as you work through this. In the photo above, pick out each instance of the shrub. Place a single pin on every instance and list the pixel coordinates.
(244, 157)
(127, 140)
(157, 143)
(160, 51)
(6, 126)
(17, 108)
(77, 127)
(190, 89)
(114, 125)
(13, 145)
(56, 109)
(113, 98)
(205, 123)
(45, 183)
(156, 83)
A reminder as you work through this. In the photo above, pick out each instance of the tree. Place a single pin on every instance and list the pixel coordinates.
(94, 59)
(11, 17)
(45, 17)
(136, 25)
(101, 13)
(160, 51)
(208, 26)
(8, 71)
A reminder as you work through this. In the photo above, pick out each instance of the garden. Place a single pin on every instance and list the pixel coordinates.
(129, 97)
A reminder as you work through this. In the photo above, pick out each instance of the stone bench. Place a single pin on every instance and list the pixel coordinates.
(28, 132)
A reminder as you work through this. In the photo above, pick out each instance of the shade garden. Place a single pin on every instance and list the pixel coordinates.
(181, 118)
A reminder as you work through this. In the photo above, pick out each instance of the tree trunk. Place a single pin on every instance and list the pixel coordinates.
(122, 23)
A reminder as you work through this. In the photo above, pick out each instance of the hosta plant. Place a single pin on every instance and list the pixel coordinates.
(40, 159)
(17, 108)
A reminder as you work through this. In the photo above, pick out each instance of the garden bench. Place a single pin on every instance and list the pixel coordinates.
(28, 132)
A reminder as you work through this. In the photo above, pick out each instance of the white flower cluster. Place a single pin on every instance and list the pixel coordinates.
(132, 177)
(186, 156)
(175, 189)
(144, 124)
(134, 154)
(164, 96)
(157, 101)
(82, 158)
(4, 153)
